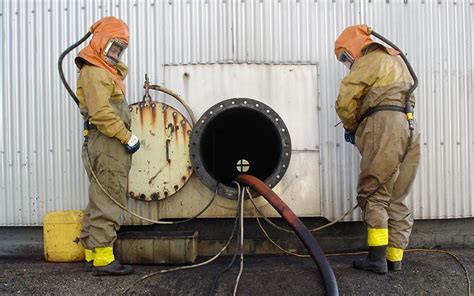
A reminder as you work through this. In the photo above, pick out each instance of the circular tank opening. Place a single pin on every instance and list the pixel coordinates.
(239, 136)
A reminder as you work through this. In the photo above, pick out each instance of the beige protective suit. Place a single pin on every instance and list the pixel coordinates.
(105, 105)
(376, 79)
(100, 90)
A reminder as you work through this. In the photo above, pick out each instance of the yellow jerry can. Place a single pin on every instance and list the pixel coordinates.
(60, 231)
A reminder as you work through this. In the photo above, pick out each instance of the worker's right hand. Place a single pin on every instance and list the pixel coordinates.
(349, 137)
(133, 144)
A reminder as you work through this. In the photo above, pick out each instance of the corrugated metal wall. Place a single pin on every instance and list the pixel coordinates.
(40, 167)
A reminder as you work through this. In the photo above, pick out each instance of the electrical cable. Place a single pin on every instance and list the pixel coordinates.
(229, 266)
(466, 273)
(236, 223)
(141, 217)
(237, 280)
(290, 230)
(256, 213)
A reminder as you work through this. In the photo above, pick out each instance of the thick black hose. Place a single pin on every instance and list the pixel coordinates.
(329, 279)
(60, 66)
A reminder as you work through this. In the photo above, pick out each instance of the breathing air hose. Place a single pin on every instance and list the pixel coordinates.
(60, 66)
(147, 87)
(408, 107)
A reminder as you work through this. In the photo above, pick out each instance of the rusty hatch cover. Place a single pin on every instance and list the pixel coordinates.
(161, 167)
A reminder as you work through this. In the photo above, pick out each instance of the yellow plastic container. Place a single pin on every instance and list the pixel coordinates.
(60, 230)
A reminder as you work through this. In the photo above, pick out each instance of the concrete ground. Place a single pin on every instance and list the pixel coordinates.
(423, 274)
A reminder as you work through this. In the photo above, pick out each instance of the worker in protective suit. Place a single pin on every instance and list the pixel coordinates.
(371, 105)
(108, 143)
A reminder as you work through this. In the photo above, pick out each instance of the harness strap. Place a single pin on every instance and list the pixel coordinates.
(381, 108)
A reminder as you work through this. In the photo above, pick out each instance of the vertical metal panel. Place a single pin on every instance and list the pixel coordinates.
(40, 167)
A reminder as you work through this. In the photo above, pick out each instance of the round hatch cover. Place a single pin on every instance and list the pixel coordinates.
(162, 165)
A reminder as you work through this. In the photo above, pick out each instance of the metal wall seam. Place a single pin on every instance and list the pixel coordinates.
(3, 160)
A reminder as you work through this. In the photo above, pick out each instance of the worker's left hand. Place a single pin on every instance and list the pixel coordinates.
(132, 145)
(349, 137)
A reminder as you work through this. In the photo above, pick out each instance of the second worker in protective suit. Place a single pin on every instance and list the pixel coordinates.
(371, 105)
(108, 143)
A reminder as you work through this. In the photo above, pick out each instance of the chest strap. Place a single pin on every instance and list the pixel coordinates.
(381, 108)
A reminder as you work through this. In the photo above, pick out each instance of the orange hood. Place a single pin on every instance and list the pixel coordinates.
(103, 30)
(354, 39)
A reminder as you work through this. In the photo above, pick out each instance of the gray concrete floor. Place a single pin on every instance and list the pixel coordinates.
(424, 273)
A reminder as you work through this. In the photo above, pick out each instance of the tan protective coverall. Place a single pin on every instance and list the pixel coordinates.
(377, 79)
(104, 105)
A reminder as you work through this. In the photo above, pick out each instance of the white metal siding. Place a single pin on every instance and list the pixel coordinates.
(40, 166)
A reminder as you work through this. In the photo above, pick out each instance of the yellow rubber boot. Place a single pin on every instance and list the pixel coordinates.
(375, 260)
(89, 255)
(89, 259)
(105, 263)
(394, 258)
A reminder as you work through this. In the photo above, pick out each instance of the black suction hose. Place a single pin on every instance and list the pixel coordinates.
(329, 279)
(408, 107)
(60, 66)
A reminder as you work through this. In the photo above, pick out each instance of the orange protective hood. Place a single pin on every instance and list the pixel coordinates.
(103, 30)
(354, 39)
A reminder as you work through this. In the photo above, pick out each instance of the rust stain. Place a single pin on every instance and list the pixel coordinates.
(153, 114)
(175, 122)
(186, 132)
(142, 119)
(165, 118)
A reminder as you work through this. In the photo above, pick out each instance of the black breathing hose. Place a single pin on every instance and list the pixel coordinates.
(408, 107)
(60, 66)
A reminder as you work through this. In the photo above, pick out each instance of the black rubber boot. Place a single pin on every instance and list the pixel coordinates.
(394, 265)
(114, 268)
(88, 265)
(374, 262)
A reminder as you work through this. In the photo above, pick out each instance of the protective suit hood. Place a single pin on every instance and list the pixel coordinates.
(103, 31)
(354, 39)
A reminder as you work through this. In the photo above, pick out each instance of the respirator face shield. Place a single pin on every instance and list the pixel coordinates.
(346, 58)
(114, 51)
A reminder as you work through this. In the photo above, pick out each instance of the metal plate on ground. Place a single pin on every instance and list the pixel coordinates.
(162, 165)
(157, 247)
